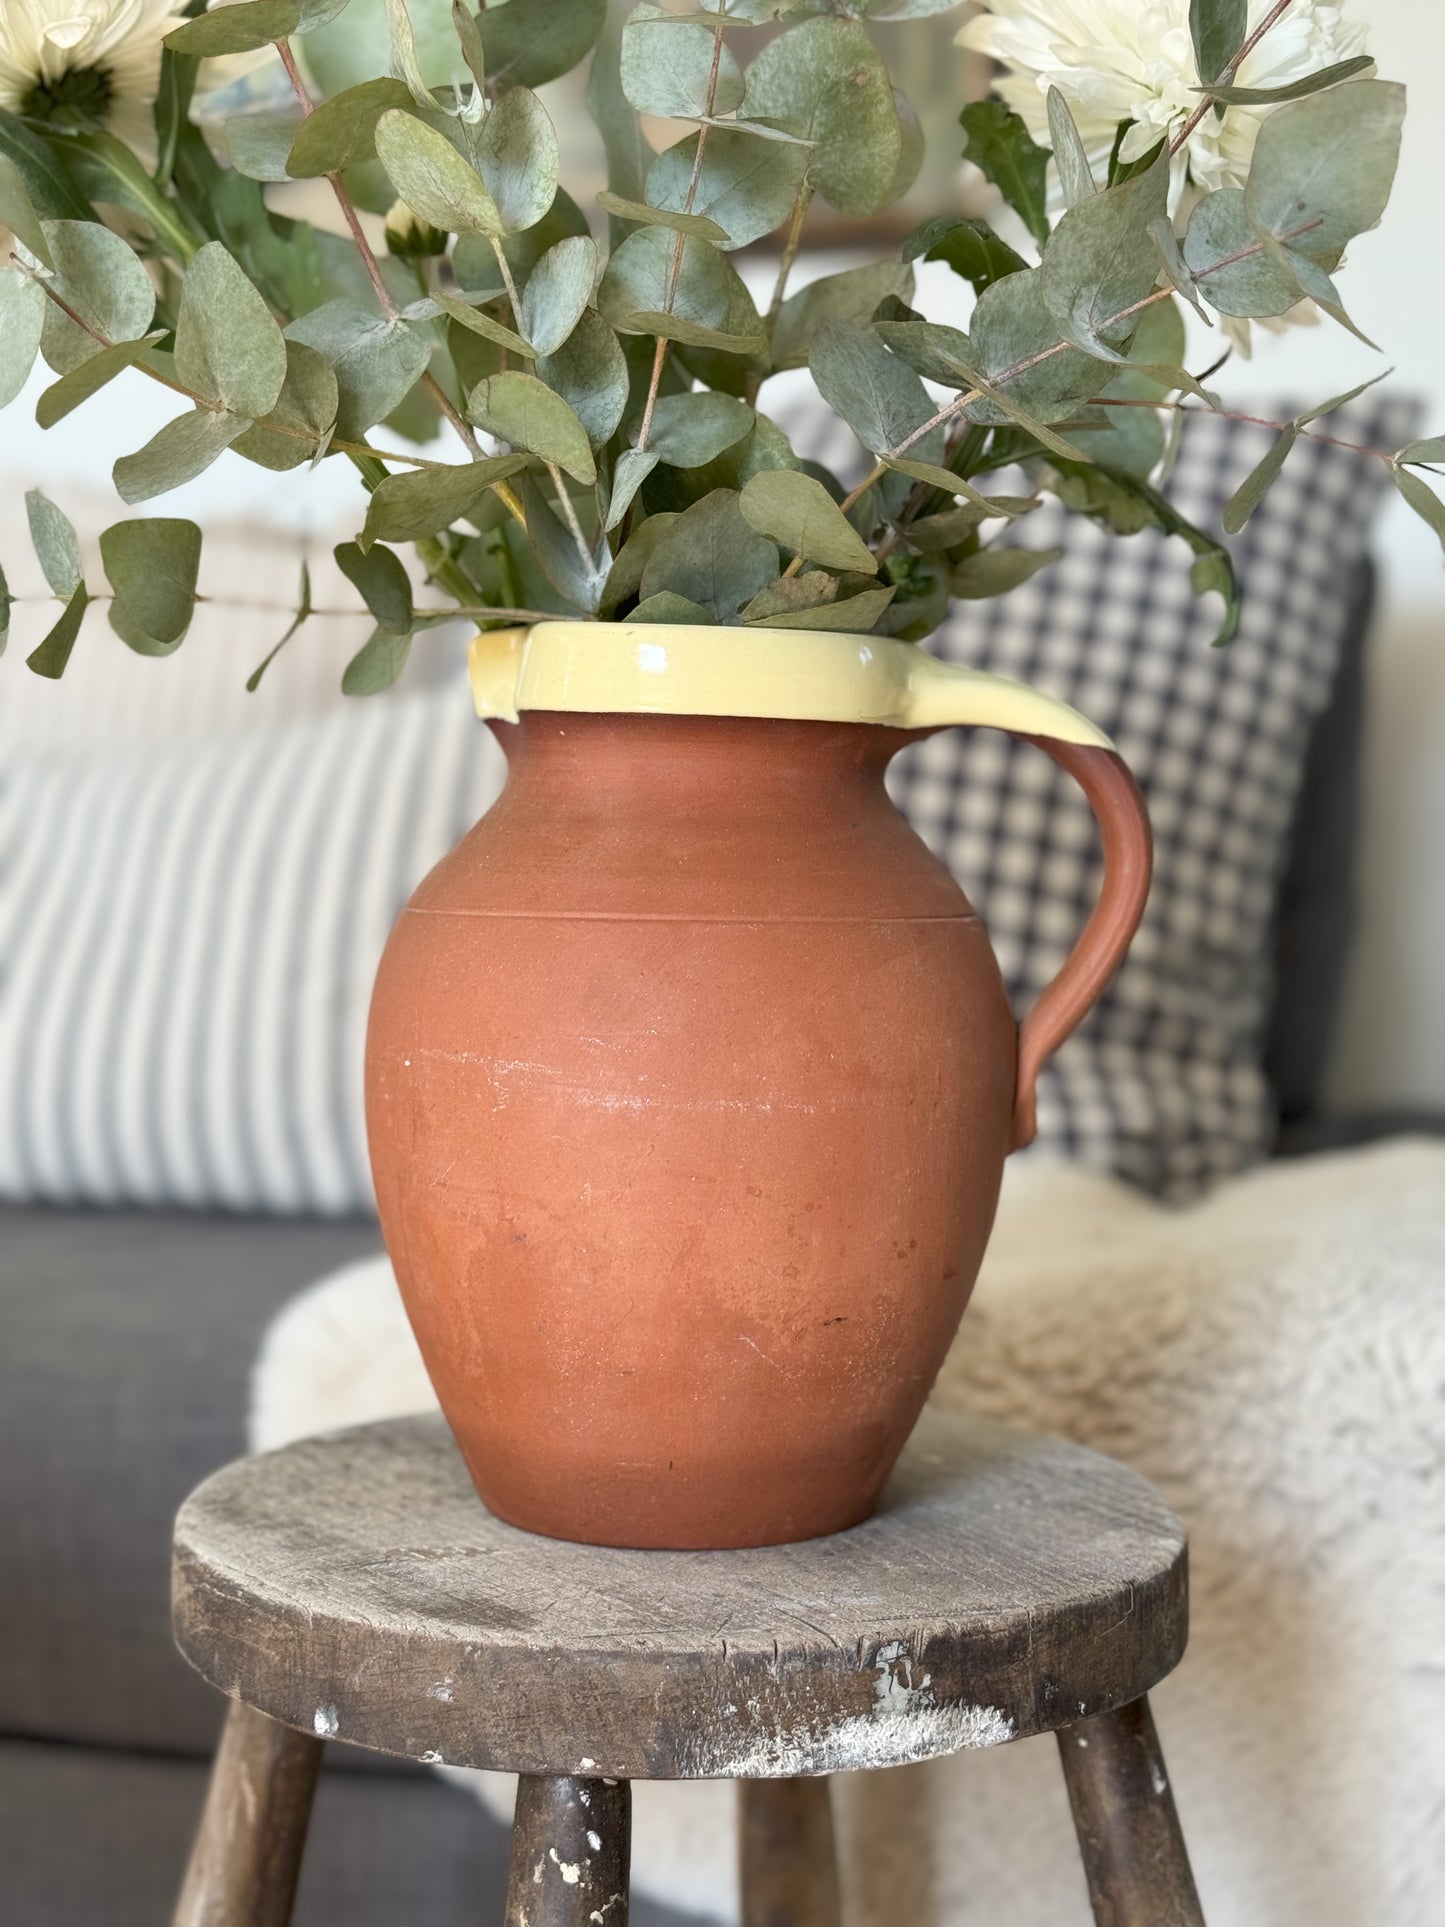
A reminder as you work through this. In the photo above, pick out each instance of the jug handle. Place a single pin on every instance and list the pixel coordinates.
(943, 694)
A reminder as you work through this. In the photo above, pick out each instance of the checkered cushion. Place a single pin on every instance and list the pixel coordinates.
(1162, 1084)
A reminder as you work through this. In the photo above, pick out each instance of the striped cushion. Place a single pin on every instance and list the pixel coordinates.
(189, 934)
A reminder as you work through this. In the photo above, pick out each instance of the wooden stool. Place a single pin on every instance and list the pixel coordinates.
(354, 1587)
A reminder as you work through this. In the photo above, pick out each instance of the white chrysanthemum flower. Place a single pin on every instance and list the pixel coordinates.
(85, 62)
(1133, 60)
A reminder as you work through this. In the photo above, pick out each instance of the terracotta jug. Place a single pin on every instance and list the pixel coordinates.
(691, 1076)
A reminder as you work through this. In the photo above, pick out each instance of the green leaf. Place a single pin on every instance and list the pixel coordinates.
(1432, 450)
(1292, 90)
(378, 577)
(253, 681)
(855, 614)
(52, 192)
(22, 318)
(1228, 261)
(745, 187)
(880, 397)
(474, 258)
(529, 42)
(432, 178)
(1101, 262)
(103, 167)
(712, 557)
(152, 566)
(228, 346)
(341, 132)
(710, 307)
(800, 514)
(997, 141)
(183, 449)
(625, 576)
(1217, 28)
(258, 144)
(57, 548)
(475, 318)
(17, 211)
(628, 154)
(695, 427)
(667, 606)
(1007, 506)
(1422, 498)
(376, 362)
(6, 604)
(52, 655)
(825, 82)
(1134, 439)
(172, 111)
(524, 411)
(1341, 401)
(576, 578)
(407, 508)
(557, 291)
(103, 280)
(1247, 497)
(668, 69)
(299, 428)
(994, 571)
(640, 214)
(516, 155)
(1171, 258)
(1323, 167)
(589, 372)
(852, 296)
(239, 29)
(1076, 177)
(632, 469)
(808, 593)
(969, 247)
(1021, 361)
(376, 665)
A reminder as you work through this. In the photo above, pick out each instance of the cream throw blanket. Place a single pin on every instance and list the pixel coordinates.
(1274, 1358)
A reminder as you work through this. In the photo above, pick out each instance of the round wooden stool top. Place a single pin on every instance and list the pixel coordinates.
(354, 1586)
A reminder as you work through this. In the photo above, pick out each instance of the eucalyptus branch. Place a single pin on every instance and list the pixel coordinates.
(785, 268)
(1230, 70)
(674, 272)
(1256, 421)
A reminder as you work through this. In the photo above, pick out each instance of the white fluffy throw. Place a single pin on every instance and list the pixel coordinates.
(1274, 1358)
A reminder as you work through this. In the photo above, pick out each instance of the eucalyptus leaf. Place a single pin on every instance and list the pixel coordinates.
(53, 654)
(1076, 177)
(807, 593)
(375, 361)
(1101, 261)
(300, 426)
(994, 571)
(18, 213)
(104, 281)
(574, 575)
(302, 615)
(852, 296)
(228, 346)
(6, 604)
(183, 449)
(516, 155)
(341, 132)
(639, 213)
(1217, 28)
(825, 82)
(632, 468)
(1322, 168)
(376, 573)
(880, 397)
(745, 187)
(528, 42)
(624, 578)
(798, 513)
(376, 664)
(153, 566)
(998, 142)
(557, 291)
(628, 154)
(1248, 496)
(1422, 498)
(474, 259)
(667, 606)
(708, 305)
(1295, 89)
(524, 411)
(260, 144)
(436, 183)
(969, 247)
(412, 506)
(1430, 450)
(56, 545)
(589, 372)
(849, 615)
(675, 67)
(1341, 401)
(1171, 259)
(1229, 263)
(22, 318)
(690, 429)
(239, 29)
(1020, 355)
(469, 315)
(712, 557)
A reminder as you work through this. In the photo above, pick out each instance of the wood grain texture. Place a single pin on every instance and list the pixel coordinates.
(571, 1851)
(1134, 1853)
(247, 1855)
(789, 1870)
(353, 1585)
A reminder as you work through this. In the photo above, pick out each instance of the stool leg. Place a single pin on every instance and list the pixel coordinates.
(247, 1852)
(1129, 1835)
(789, 1866)
(571, 1849)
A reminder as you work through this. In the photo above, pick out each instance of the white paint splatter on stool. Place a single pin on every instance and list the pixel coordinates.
(325, 1723)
